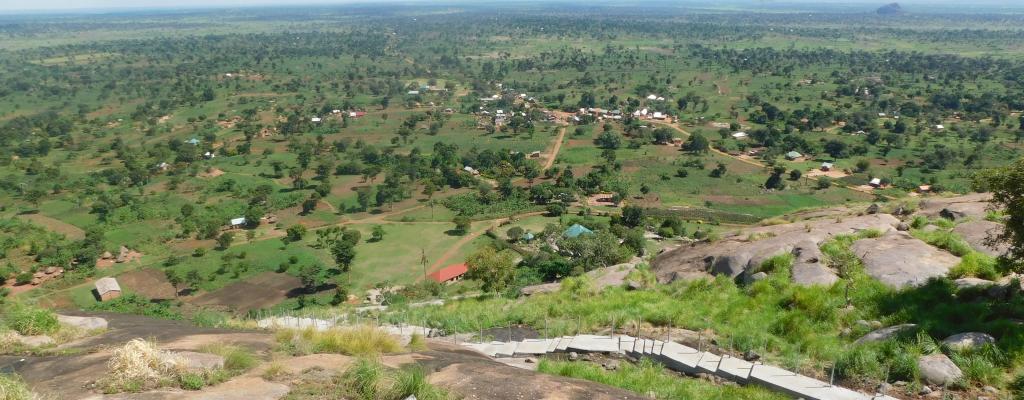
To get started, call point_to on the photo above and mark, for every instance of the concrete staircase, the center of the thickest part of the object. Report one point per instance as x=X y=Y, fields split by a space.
x=680 y=358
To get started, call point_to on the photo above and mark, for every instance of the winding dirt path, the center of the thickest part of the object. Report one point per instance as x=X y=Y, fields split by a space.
x=553 y=154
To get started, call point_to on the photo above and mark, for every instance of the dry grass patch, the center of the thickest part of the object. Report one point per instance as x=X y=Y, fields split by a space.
x=139 y=365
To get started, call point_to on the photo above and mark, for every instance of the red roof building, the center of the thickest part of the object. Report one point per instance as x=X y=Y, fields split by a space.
x=450 y=273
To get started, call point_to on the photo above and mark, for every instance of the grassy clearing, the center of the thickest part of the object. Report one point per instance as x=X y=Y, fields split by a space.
x=648 y=377
x=356 y=341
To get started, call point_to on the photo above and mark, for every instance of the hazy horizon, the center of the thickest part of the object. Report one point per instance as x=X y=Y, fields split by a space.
x=51 y=6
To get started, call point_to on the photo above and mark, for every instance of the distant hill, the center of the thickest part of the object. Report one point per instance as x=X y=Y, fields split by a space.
x=890 y=9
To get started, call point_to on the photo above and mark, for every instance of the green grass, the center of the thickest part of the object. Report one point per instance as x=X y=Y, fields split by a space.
x=649 y=378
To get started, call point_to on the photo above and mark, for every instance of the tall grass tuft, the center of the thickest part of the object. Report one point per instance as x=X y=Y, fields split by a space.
x=370 y=380
x=355 y=341
x=12 y=387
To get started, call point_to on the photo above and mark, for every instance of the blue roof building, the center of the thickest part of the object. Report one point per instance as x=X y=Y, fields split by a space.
x=576 y=230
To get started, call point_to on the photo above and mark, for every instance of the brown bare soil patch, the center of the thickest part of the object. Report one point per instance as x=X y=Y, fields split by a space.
x=600 y=199
x=260 y=291
x=833 y=173
x=147 y=282
x=211 y=173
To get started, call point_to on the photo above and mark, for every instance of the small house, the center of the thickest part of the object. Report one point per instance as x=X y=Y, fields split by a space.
x=193 y=141
x=163 y=166
x=739 y=135
x=335 y=111
x=576 y=230
x=413 y=92
x=108 y=289
x=208 y=155
x=652 y=97
x=793 y=156
x=875 y=182
x=826 y=166
x=356 y=114
x=471 y=170
x=527 y=237
x=315 y=119
x=939 y=127
x=924 y=188
x=535 y=154
x=237 y=222
x=658 y=115
x=450 y=273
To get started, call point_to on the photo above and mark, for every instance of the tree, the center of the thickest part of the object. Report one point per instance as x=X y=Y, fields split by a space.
x=295 y=232
x=835 y=148
x=192 y=279
x=494 y=268
x=377 y=234
x=824 y=182
x=697 y=144
x=225 y=239
x=310 y=276
x=344 y=253
x=775 y=179
x=462 y=224
x=174 y=278
x=609 y=140
x=632 y=216
x=795 y=175
x=863 y=165
x=1007 y=187
x=555 y=209
x=514 y=233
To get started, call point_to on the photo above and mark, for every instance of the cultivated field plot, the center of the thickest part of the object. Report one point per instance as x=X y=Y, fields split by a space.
x=260 y=291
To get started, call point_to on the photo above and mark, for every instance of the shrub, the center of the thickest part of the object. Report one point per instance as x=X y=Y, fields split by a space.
x=237 y=359
x=191 y=381
x=28 y=320
x=131 y=303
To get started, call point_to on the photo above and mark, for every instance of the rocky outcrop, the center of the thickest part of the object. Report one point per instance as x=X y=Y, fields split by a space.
x=938 y=369
x=973 y=206
x=614 y=275
x=201 y=361
x=899 y=260
x=807 y=267
x=968 y=340
x=743 y=253
x=979 y=234
x=86 y=323
x=884 y=334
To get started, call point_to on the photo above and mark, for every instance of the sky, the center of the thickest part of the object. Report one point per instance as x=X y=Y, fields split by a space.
x=80 y=5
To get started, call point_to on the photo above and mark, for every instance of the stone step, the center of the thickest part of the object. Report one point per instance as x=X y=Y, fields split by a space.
x=734 y=369
x=506 y=349
x=553 y=345
x=708 y=363
x=594 y=344
x=563 y=343
x=804 y=387
x=533 y=347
